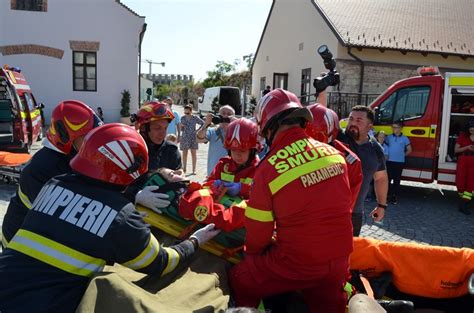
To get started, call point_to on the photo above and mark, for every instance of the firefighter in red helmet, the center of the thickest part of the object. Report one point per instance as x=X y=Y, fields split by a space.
x=304 y=197
x=325 y=128
x=233 y=175
x=71 y=120
x=80 y=222
x=152 y=121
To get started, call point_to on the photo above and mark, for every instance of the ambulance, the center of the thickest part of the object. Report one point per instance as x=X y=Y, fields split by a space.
x=20 y=117
x=434 y=110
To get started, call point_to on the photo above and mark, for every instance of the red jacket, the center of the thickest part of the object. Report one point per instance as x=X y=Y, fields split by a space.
x=227 y=170
x=354 y=169
x=301 y=190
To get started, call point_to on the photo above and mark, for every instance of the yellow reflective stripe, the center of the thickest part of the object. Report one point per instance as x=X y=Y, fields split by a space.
x=147 y=256
x=55 y=254
x=173 y=260
x=4 y=240
x=407 y=131
x=204 y=192
x=227 y=177
x=246 y=180
x=235 y=201
x=23 y=114
x=295 y=173
x=461 y=81
x=259 y=215
x=35 y=113
x=24 y=198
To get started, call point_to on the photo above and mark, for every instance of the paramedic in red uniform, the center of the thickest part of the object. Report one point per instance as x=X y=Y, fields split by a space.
x=301 y=192
x=325 y=128
x=465 y=168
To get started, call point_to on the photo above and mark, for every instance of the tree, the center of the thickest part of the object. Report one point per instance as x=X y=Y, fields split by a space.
x=219 y=76
x=125 y=102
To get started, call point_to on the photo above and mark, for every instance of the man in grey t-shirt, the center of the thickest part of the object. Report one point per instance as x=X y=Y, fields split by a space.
x=373 y=163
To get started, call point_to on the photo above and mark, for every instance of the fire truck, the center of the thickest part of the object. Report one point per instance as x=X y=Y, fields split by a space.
x=20 y=115
x=434 y=110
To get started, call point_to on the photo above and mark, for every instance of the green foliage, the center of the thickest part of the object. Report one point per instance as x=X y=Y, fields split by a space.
x=125 y=103
x=219 y=76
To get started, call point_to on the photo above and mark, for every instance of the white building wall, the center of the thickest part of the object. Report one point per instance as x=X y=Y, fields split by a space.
x=292 y=23
x=144 y=85
x=51 y=79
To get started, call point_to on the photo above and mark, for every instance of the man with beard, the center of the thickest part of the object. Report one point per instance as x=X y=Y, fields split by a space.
x=371 y=155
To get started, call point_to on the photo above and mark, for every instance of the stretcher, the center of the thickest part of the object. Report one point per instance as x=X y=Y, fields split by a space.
x=11 y=165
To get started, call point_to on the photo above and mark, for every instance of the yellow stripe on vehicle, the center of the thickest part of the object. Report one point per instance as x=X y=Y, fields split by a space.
x=147 y=256
x=259 y=215
x=461 y=81
x=295 y=173
x=173 y=260
x=24 y=198
x=408 y=131
x=55 y=254
x=227 y=177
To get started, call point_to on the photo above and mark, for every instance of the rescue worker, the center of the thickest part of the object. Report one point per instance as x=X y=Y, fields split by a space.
x=235 y=172
x=80 y=222
x=71 y=120
x=465 y=168
x=221 y=200
x=325 y=128
x=304 y=196
x=152 y=121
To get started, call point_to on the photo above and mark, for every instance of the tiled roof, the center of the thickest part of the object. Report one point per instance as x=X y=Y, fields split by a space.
x=128 y=9
x=429 y=26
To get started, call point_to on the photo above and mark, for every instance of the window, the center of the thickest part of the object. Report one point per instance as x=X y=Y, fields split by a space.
x=280 y=80
x=405 y=104
x=305 y=85
x=262 y=84
x=29 y=5
x=84 y=71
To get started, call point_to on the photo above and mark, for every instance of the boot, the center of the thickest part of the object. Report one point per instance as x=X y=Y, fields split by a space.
x=463 y=208
x=397 y=306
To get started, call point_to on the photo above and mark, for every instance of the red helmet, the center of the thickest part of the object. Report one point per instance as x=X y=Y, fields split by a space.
x=153 y=111
x=278 y=101
x=71 y=119
x=113 y=153
x=241 y=134
x=325 y=125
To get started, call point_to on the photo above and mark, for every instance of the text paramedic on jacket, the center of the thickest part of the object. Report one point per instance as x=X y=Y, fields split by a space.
x=80 y=222
x=301 y=190
x=71 y=120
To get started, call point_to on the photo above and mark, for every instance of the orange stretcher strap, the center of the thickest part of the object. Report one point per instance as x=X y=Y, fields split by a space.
x=13 y=159
x=366 y=283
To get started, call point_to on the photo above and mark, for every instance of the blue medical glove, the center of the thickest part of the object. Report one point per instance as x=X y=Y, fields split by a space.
x=217 y=183
x=233 y=189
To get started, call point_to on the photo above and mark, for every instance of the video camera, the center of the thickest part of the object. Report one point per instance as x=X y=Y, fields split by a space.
x=217 y=119
x=332 y=77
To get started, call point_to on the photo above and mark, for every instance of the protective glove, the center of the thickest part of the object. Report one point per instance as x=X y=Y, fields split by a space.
x=233 y=189
x=217 y=183
x=205 y=234
x=149 y=198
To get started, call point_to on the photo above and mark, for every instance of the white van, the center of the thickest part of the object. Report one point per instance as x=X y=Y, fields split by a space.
x=221 y=95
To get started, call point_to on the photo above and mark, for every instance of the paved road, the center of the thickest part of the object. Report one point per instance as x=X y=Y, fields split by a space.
x=423 y=214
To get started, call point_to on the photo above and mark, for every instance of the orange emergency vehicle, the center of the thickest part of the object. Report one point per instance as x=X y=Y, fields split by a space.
x=20 y=116
x=434 y=110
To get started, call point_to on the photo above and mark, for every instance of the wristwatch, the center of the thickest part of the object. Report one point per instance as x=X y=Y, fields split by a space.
x=384 y=206
x=195 y=243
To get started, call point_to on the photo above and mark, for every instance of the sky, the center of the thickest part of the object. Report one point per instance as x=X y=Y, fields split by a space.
x=190 y=36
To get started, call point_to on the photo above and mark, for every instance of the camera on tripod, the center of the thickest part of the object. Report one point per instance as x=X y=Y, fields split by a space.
x=332 y=77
